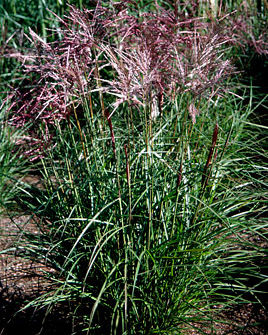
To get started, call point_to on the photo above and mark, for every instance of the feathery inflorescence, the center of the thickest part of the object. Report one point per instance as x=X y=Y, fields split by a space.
x=154 y=56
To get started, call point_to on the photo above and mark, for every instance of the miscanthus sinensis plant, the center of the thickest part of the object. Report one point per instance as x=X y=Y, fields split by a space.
x=144 y=216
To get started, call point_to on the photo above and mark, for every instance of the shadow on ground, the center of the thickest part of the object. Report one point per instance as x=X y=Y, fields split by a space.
x=30 y=321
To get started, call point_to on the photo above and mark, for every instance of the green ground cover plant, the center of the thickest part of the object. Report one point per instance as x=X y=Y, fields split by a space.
x=154 y=189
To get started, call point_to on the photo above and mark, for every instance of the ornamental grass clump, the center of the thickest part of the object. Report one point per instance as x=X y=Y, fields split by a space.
x=138 y=216
x=162 y=55
x=151 y=56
